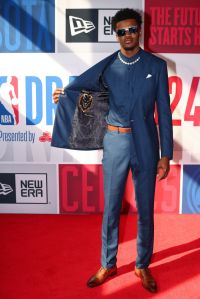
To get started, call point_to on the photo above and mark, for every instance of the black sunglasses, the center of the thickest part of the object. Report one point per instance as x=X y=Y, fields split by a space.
x=122 y=32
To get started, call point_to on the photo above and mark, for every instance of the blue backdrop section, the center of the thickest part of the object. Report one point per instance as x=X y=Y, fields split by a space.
x=191 y=189
x=27 y=26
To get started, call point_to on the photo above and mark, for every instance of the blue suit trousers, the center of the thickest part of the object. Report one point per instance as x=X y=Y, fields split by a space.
x=119 y=156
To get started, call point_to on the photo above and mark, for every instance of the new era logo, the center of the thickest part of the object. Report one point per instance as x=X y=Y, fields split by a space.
x=5 y=189
x=79 y=25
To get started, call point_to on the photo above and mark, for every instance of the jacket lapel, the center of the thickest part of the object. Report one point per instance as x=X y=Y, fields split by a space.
x=139 y=79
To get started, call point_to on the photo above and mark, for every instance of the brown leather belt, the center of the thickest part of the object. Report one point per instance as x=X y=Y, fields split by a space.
x=119 y=129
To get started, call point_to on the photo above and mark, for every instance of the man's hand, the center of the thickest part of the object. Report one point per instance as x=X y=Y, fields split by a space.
x=56 y=94
x=163 y=168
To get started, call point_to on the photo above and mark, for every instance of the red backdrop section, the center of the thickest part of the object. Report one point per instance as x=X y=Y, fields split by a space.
x=81 y=190
x=172 y=26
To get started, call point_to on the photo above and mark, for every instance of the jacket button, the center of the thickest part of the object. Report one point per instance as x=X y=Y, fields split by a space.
x=132 y=120
x=144 y=117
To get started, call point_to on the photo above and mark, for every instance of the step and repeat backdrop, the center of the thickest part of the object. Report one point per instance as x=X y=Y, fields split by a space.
x=44 y=45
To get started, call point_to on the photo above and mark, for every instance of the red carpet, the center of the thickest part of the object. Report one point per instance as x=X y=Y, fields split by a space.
x=52 y=256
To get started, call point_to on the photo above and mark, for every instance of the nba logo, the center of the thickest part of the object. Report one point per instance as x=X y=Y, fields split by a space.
x=9 y=114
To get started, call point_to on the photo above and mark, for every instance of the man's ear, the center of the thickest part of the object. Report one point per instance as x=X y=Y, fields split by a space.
x=117 y=38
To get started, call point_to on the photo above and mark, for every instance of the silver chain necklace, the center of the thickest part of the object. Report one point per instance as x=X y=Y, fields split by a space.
x=128 y=63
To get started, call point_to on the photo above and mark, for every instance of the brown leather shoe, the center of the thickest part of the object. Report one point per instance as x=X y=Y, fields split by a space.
x=101 y=275
x=147 y=279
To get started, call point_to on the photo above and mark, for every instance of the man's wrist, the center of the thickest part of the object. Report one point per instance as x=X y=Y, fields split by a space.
x=166 y=158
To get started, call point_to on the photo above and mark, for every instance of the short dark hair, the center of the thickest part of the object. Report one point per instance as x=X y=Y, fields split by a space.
x=124 y=14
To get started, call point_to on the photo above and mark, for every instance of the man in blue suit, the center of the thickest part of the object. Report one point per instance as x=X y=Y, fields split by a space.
x=136 y=82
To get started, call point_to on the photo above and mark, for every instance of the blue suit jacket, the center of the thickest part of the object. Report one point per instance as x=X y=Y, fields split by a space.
x=150 y=88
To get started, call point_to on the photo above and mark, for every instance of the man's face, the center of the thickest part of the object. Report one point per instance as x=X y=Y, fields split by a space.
x=129 y=41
